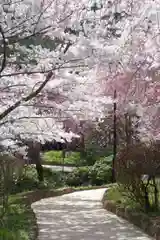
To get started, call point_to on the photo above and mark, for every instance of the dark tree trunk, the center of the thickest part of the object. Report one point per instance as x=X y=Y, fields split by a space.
x=40 y=174
x=147 y=204
x=155 y=194
x=114 y=137
x=34 y=149
x=128 y=132
x=146 y=195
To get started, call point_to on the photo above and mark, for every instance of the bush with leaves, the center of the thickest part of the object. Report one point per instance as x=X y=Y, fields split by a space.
x=29 y=180
x=78 y=177
x=98 y=142
x=132 y=164
x=10 y=172
x=98 y=174
x=101 y=172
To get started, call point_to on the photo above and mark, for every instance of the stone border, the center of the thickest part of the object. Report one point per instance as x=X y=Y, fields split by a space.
x=139 y=219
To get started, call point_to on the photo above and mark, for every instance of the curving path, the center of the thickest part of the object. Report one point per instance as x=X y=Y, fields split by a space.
x=58 y=168
x=79 y=216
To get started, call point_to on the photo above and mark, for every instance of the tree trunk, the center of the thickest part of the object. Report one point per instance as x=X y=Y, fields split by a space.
x=146 y=196
x=34 y=149
x=147 y=204
x=114 y=137
x=155 y=194
x=128 y=127
x=39 y=169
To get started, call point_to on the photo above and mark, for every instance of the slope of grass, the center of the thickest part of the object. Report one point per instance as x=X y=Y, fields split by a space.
x=55 y=158
x=19 y=223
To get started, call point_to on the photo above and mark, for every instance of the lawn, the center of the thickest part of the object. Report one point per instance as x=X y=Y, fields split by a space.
x=55 y=158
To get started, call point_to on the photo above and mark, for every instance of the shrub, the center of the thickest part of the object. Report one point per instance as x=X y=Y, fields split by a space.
x=118 y=195
x=10 y=171
x=90 y=156
x=131 y=164
x=29 y=180
x=98 y=174
x=78 y=177
x=107 y=160
x=93 y=153
x=101 y=172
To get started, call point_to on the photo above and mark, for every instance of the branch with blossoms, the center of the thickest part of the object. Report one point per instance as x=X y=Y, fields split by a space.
x=27 y=98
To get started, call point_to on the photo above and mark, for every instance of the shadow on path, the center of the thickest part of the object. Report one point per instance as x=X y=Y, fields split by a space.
x=79 y=216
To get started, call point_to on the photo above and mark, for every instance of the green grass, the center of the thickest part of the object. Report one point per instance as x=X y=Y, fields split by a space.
x=19 y=222
x=90 y=187
x=55 y=158
x=114 y=194
x=117 y=194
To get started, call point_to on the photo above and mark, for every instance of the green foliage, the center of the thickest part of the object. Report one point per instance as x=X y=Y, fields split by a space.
x=106 y=160
x=116 y=193
x=93 y=153
x=98 y=174
x=29 y=180
x=101 y=172
x=90 y=156
x=18 y=222
x=74 y=158
x=119 y=195
x=55 y=158
x=131 y=164
x=78 y=177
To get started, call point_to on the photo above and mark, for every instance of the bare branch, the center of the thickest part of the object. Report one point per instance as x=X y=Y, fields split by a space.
x=43 y=71
x=41 y=14
x=60 y=119
x=67 y=47
x=12 y=86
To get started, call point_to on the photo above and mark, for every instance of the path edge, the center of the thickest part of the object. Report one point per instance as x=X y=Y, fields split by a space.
x=139 y=219
x=47 y=194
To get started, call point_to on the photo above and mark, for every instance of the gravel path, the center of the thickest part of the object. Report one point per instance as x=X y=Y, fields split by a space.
x=79 y=216
x=58 y=168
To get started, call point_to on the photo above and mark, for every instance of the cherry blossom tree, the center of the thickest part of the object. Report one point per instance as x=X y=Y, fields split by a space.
x=60 y=51
x=48 y=50
x=134 y=70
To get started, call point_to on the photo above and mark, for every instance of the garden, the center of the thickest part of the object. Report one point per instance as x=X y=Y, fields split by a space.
x=82 y=77
x=21 y=187
x=136 y=169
